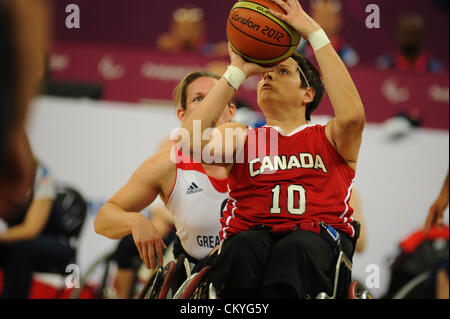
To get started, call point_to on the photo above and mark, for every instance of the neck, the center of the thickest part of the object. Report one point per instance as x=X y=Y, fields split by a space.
x=287 y=122
x=215 y=171
x=287 y=114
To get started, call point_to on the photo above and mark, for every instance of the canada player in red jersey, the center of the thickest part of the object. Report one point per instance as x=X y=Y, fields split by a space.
x=288 y=209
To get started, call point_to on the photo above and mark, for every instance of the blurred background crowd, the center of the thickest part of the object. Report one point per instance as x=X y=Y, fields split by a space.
x=136 y=52
x=126 y=57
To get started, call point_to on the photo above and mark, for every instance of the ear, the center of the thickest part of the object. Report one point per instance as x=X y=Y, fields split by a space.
x=232 y=111
x=181 y=114
x=310 y=93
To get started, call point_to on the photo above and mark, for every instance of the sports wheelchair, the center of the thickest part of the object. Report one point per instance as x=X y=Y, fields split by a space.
x=100 y=276
x=198 y=286
x=164 y=281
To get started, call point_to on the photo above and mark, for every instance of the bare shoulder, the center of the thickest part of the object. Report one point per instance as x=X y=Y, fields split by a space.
x=157 y=166
x=346 y=142
x=165 y=144
x=233 y=125
x=328 y=132
x=235 y=130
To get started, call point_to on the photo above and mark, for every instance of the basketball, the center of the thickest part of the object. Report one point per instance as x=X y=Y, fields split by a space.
x=258 y=36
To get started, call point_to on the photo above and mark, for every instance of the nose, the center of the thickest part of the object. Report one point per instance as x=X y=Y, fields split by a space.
x=268 y=76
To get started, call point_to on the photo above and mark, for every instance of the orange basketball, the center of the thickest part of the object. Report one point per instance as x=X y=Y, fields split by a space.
x=257 y=35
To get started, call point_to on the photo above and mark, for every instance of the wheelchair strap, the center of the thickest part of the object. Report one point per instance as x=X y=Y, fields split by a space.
x=331 y=236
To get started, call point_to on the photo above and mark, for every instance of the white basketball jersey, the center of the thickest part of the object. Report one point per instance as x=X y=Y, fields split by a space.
x=196 y=201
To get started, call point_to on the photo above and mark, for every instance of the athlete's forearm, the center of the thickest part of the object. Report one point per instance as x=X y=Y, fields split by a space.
x=33 y=224
x=204 y=115
x=17 y=233
x=115 y=223
x=445 y=187
x=341 y=89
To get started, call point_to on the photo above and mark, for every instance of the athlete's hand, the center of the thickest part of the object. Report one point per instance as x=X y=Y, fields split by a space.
x=436 y=212
x=296 y=17
x=247 y=67
x=148 y=242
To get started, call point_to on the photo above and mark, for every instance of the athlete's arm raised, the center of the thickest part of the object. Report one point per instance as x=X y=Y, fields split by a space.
x=208 y=111
x=121 y=216
x=345 y=130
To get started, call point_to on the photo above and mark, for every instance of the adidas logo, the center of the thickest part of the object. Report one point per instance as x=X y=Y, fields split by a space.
x=193 y=189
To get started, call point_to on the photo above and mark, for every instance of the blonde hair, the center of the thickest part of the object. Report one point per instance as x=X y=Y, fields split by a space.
x=180 y=92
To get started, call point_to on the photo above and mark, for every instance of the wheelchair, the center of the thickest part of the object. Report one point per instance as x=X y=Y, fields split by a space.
x=198 y=286
x=164 y=281
x=414 y=267
x=102 y=270
x=100 y=275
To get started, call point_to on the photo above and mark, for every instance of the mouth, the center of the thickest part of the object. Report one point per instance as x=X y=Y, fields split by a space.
x=266 y=86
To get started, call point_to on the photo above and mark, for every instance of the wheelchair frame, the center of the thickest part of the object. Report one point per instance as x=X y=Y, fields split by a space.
x=198 y=287
x=162 y=284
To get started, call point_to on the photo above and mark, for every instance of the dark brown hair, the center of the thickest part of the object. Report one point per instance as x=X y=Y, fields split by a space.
x=314 y=80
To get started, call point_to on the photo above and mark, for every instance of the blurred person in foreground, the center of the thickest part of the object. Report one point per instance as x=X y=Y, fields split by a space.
x=187 y=35
x=410 y=54
x=30 y=240
x=329 y=14
x=23 y=41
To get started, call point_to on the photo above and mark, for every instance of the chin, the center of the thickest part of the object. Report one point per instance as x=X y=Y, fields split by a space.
x=266 y=97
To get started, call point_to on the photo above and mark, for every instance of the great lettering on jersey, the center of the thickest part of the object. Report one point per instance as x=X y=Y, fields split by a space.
x=208 y=241
x=272 y=164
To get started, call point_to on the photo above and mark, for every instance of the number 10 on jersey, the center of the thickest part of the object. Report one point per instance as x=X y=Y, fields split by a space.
x=292 y=207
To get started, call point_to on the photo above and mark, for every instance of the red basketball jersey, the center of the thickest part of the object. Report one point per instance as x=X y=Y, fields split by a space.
x=302 y=182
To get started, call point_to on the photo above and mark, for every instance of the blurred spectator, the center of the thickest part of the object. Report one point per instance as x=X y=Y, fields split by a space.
x=402 y=124
x=328 y=13
x=187 y=34
x=23 y=41
x=30 y=241
x=410 y=55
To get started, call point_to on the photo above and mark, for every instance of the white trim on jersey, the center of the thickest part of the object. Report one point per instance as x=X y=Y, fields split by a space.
x=347 y=198
x=227 y=222
x=346 y=202
x=297 y=130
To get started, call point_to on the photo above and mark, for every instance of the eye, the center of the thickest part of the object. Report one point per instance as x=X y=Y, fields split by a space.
x=283 y=71
x=197 y=99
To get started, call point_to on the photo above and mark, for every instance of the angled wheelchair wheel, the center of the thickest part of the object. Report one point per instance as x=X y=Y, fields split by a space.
x=154 y=285
x=148 y=285
x=407 y=290
x=168 y=279
x=182 y=272
x=357 y=291
x=102 y=265
x=198 y=287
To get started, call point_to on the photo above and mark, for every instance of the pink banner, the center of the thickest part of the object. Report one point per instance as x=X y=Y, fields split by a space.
x=134 y=75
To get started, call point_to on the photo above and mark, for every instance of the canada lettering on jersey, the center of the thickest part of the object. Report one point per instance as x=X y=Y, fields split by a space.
x=272 y=164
